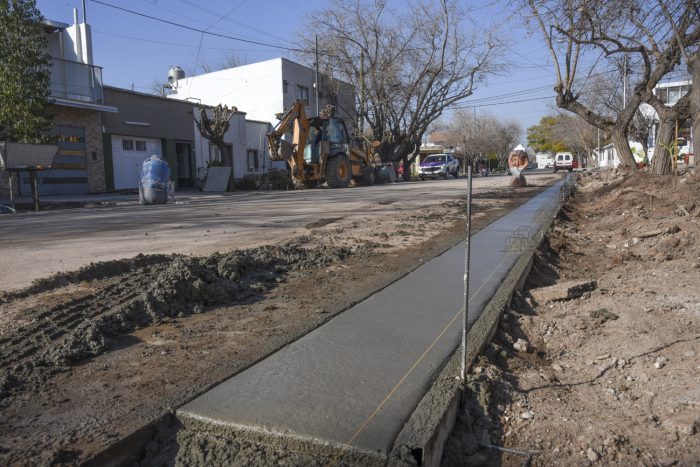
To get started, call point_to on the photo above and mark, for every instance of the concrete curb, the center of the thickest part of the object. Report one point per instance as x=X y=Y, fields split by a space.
x=423 y=438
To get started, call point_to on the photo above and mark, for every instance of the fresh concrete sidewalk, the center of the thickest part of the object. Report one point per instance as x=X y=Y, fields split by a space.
x=352 y=383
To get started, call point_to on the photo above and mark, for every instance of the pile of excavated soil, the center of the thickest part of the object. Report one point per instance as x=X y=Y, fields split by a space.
x=609 y=376
x=136 y=293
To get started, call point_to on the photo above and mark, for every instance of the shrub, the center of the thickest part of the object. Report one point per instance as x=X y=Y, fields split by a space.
x=280 y=179
x=248 y=182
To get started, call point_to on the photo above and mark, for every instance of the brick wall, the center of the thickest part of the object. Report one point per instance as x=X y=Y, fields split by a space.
x=91 y=121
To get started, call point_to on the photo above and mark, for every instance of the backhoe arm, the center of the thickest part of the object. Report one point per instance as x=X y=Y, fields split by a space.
x=280 y=149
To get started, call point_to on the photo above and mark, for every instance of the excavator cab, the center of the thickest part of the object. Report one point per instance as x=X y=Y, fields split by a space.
x=330 y=131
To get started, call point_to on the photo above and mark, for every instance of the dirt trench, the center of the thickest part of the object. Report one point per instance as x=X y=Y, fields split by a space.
x=608 y=376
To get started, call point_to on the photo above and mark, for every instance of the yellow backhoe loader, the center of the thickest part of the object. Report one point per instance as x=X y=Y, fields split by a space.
x=320 y=150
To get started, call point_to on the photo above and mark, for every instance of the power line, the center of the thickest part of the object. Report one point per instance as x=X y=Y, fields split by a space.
x=201 y=31
x=231 y=20
x=173 y=44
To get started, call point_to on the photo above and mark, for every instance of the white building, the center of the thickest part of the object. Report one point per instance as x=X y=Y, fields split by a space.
x=265 y=89
x=608 y=156
x=669 y=92
x=545 y=160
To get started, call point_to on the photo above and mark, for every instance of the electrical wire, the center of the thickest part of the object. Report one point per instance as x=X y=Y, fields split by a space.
x=201 y=31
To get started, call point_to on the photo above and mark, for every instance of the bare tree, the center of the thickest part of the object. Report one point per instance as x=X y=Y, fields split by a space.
x=580 y=136
x=632 y=27
x=409 y=65
x=463 y=133
x=214 y=128
x=483 y=136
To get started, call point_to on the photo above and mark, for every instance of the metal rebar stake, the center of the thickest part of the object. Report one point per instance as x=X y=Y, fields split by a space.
x=465 y=320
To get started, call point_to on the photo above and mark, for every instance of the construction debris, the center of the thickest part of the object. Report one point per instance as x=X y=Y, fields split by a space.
x=564 y=291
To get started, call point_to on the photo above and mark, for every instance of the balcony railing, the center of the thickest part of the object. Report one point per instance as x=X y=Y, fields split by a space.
x=76 y=81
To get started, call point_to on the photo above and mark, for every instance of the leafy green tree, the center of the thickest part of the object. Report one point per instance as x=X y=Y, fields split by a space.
x=25 y=77
x=542 y=137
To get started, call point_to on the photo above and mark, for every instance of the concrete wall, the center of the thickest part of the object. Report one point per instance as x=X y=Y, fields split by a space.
x=334 y=92
x=147 y=115
x=255 y=89
x=256 y=139
x=264 y=89
x=91 y=122
x=73 y=43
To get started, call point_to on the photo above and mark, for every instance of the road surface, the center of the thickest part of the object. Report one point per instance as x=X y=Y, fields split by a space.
x=36 y=245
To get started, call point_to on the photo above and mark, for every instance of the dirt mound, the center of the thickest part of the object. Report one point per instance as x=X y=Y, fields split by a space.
x=144 y=290
x=92 y=271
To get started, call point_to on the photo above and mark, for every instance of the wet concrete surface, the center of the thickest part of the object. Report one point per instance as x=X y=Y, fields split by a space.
x=356 y=380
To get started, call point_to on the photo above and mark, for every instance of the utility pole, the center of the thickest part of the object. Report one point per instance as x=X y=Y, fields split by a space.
x=599 y=158
x=467 y=254
x=318 y=112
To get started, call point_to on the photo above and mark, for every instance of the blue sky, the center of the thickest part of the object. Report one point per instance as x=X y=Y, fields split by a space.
x=138 y=51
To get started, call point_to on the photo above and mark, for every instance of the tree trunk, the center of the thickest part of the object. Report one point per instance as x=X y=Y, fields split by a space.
x=694 y=69
x=406 y=169
x=661 y=163
x=622 y=146
x=590 y=160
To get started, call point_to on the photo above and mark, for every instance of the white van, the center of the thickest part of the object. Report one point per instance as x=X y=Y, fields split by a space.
x=564 y=161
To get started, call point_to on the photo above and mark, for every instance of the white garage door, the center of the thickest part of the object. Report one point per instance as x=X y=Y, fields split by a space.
x=128 y=154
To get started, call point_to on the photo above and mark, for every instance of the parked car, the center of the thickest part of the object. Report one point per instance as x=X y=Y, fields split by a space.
x=439 y=165
x=563 y=161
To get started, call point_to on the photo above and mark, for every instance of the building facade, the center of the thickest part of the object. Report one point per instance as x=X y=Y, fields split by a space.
x=146 y=125
x=77 y=107
x=264 y=89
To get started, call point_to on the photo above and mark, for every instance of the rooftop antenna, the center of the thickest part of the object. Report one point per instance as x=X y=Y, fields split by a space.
x=84 y=13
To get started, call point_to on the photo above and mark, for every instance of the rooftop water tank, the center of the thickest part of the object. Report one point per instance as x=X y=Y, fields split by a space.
x=175 y=73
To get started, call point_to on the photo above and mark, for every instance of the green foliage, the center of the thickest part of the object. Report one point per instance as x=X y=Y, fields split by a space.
x=25 y=78
x=542 y=137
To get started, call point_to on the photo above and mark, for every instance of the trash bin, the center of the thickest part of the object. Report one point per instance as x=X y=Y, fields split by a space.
x=154 y=181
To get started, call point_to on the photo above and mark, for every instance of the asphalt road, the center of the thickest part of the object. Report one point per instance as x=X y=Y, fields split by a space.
x=35 y=245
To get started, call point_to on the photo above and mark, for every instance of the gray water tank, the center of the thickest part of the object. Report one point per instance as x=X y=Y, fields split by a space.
x=175 y=73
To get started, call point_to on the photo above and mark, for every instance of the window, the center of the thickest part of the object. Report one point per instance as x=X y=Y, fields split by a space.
x=140 y=145
x=284 y=86
x=253 y=164
x=214 y=153
x=303 y=93
x=128 y=144
x=673 y=95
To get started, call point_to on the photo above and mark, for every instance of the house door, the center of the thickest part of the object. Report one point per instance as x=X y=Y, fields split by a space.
x=185 y=165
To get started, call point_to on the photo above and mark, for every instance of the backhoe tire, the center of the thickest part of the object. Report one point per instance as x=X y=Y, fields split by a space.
x=367 y=176
x=338 y=172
